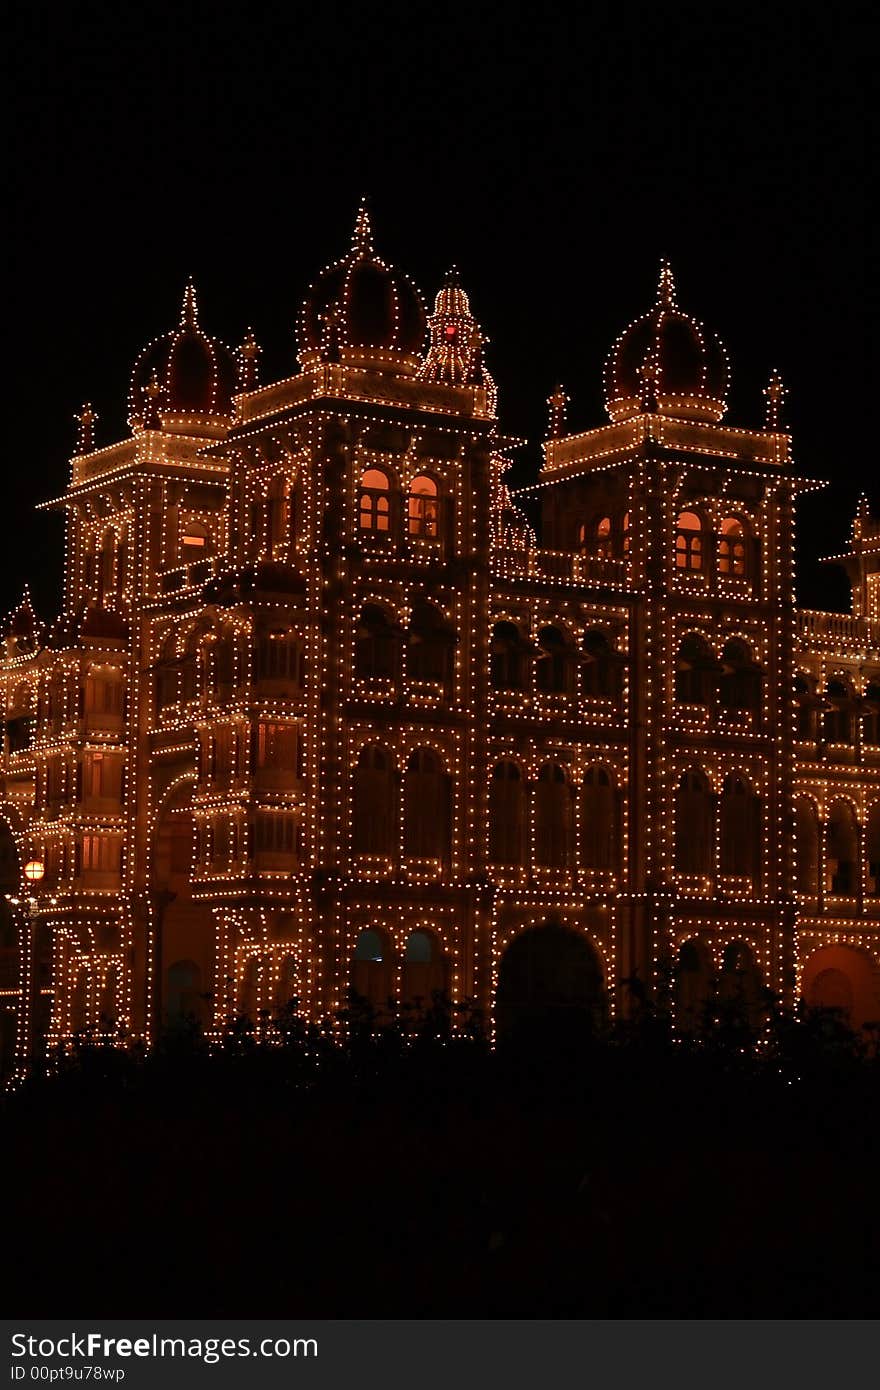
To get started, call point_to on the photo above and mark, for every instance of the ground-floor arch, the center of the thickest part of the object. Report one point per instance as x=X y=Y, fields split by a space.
x=549 y=976
x=185 y=925
x=846 y=979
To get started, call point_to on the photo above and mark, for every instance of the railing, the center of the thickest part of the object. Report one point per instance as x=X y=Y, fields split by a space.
x=839 y=627
x=571 y=568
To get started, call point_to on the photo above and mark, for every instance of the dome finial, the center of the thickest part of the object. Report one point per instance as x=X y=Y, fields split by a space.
x=363 y=232
x=774 y=395
x=189 y=313
x=85 y=434
x=666 y=286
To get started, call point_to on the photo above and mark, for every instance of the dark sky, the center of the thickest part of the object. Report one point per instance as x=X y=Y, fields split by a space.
x=555 y=153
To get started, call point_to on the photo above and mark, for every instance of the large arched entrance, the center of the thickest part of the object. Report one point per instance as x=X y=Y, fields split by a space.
x=549 y=980
x=185 y=957
x=845 y=979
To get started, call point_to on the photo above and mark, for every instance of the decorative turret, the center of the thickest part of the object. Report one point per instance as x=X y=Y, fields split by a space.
x=668 y=362
x=774 y=396
x=455 y=354
x=184 y=382
x=557 y=406
x=363 y=311
x=85 y=434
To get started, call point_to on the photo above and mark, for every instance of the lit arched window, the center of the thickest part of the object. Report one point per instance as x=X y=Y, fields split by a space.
x=375 y=501
x=377 y=645
x=599 y=834
x=374 y=824
x=553 y=818
x=554 y=666
x=507 y=808
x=427 y=830
x=740 y=686
x=842 y=871
x=507 y=658
x=731 y=547
x=695 y=672
x=740 y=829
x=422 y=508
x=689 y=541
x=694 y=824
x=603 y=537
x=624 y=531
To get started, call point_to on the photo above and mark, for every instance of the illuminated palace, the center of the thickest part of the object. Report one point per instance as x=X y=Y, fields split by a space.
x=320 y=712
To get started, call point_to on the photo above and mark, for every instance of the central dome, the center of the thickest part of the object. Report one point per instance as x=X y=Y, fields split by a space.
x=361 y=309
x=667 y=361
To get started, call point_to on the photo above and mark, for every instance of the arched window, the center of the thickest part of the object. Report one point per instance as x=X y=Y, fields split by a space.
x=604 y=538
x=427 y=829
x=689 y=541
x=286 y=992
x=371 y=969
x=167 y=674
x=423 y=508
x=601 y=667
x=839 y=721
x=806 y=708
x=194 y=542
x=693 y=985
x=599 y=821
x=695 y=672
x=183 y=992
x=374 y=828
x=732 y=555
x=424 y=973
x=430 y=645
x=807 y=849
x=555 y=664
x=190 y=666
x=553 y=818
x=507 y=815
x=694 y=824
x=740 y=984
x=740 y=830
x=624 y=534
x=740 y=686
x=507 y=658
x=375 y=502
x=377 y=645
x=842 y=863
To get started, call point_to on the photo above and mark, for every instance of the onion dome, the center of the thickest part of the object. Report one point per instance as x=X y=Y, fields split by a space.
x=184 y=381
x=361 y=310
x=668 y=362
x=455 y=354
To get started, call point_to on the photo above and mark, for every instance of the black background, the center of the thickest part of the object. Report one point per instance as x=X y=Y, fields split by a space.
x=555 y=153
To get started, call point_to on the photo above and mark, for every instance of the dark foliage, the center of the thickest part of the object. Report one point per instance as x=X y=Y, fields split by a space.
x=413 y=1171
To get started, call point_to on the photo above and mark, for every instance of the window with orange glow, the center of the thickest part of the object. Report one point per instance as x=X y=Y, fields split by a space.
x=422 y=509
x=689 y=542
x=731 y=547
x=375 y=501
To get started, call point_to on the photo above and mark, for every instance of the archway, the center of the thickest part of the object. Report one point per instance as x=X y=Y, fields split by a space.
x=185 y=926
x=846 y=979
x=550 y=977
x=693 y=984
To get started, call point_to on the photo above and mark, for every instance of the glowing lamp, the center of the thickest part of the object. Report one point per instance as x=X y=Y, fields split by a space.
x=34 y=870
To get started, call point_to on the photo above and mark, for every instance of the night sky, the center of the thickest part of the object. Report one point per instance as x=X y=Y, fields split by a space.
x=554 y=156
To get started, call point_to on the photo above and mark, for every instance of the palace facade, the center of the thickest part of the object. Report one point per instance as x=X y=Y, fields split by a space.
x=320 y=712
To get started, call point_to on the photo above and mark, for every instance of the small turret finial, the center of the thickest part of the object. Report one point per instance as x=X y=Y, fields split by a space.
x=666 y=286
x=85 y=435
x=557 y=404
x=363 y=232
x=189 y=313
x=249 y=357
x=774 y=395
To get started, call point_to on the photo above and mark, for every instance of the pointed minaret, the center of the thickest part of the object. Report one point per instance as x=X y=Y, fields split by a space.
x=557 y=405
x=189 y=312
x=362 y=240
x=85 y=434
x=863 y=523
x=22 y=632
x=774 y=395
x=249 y=360
x=666 y=287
